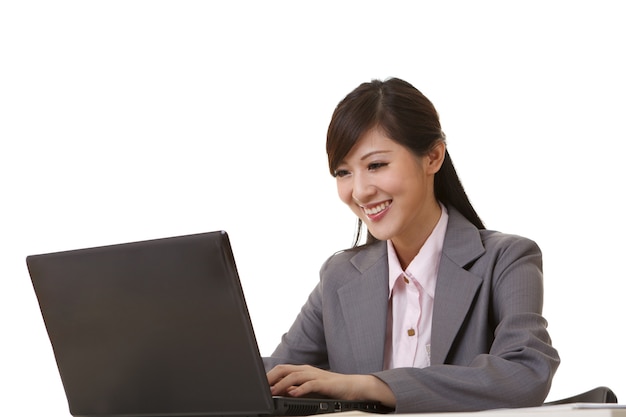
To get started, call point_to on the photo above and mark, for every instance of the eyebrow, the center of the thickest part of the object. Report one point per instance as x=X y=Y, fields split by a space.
x=367 y=155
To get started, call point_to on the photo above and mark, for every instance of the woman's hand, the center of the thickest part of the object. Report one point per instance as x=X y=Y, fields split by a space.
x=300 y=380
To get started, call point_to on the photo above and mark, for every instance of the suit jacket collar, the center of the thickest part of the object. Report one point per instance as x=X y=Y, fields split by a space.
x=456 y=287
x=454 y=294
x=463 y=243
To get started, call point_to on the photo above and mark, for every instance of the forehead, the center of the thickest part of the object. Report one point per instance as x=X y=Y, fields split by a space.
x=373 y=142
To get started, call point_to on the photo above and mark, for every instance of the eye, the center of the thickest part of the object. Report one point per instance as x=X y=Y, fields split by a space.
x=376 y=165
x=340 y=173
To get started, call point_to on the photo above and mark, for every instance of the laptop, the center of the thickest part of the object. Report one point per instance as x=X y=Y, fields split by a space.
x=159 y=328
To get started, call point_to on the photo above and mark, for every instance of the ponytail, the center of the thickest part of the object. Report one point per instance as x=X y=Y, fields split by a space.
x=450 y=192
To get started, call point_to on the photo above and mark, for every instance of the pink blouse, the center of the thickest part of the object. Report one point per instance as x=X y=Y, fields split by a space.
x=411 y=298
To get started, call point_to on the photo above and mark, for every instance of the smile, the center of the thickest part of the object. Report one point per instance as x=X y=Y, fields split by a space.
x=373 y=211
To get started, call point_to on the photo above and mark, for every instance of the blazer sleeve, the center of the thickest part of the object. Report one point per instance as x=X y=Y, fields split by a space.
x=304 y=343
x=502 y=356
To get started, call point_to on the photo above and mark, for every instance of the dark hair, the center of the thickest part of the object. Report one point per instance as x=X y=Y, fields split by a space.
x=408 y=118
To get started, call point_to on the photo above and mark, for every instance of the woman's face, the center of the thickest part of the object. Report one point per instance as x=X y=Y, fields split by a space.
x=389 y=188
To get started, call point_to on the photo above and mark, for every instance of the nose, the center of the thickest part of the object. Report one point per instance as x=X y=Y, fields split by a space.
x=362 y=189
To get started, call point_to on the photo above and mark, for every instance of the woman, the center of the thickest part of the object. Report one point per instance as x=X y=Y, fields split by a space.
x=433 y=313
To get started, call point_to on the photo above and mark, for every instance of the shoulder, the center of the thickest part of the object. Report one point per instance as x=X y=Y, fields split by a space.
x=348 y=264
x=466 y=244
x=495 y=241
x=361 y=257
x=509 y=254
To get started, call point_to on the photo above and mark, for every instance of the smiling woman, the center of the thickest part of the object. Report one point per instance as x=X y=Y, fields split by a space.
x=391 y=190
x=397 y=110
x=434 y=312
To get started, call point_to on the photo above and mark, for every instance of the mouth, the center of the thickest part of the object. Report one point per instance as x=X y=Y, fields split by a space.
x=376 y=211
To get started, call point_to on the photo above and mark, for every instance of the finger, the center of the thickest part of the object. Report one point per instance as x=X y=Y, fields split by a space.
x=281 y=371
x=277 y=373
x=291 y=381
x=306 y=388
x=323 y=384
x=286 y=384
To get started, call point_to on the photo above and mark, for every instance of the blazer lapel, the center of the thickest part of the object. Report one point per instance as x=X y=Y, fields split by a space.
x=364 y=305
x=456 y=287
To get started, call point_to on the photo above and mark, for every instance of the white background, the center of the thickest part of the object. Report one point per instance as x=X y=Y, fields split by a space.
x=126 y=120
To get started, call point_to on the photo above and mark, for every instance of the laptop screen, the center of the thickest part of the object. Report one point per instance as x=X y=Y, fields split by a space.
x=158 y=327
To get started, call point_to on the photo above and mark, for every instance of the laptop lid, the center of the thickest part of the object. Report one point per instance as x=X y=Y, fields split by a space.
x=152 y=328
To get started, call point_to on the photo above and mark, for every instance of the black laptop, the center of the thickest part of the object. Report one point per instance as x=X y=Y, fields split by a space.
x=158 y=328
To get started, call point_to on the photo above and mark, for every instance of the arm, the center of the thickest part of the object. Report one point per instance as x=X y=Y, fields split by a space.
x=304 y=343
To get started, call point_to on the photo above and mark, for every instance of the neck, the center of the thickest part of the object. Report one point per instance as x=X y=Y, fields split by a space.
x=408 y=246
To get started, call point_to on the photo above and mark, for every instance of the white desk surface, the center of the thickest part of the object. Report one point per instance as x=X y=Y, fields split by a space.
x=565 y=410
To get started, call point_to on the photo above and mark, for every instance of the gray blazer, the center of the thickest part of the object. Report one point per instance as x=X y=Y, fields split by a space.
x=489 y=348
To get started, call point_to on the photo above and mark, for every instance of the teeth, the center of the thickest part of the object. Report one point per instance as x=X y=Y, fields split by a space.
x=375 y=210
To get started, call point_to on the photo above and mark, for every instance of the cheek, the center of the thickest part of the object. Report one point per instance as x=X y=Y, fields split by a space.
x=344 y=190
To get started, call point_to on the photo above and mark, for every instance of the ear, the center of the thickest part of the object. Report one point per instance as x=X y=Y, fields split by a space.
x=435 y=156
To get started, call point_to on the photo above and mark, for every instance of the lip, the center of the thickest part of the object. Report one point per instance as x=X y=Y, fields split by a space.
x=376 y=211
